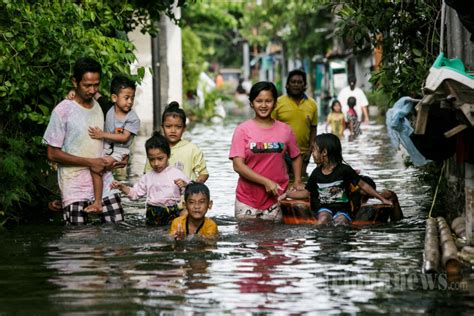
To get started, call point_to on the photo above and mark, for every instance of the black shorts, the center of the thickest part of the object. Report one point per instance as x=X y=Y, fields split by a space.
x=161 y=215
x=112 y=211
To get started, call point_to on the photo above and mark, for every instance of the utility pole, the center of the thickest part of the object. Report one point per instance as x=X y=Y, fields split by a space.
x=155 y=62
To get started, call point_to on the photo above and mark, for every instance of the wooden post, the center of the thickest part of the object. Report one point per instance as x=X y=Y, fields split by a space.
x=422 y=116
x=469 y=191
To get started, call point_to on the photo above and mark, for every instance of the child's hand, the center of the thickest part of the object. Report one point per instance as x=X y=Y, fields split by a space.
x=180 y=183
x=116 y=185
x=97 y=165
x=71 y=95
x=96 y=133
x=282 y=197
x=272 y=187
x=179 y=234
x=385 y=201
x=298 y=186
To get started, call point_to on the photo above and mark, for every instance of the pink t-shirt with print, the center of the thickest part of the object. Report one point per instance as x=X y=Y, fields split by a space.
x=263 y=150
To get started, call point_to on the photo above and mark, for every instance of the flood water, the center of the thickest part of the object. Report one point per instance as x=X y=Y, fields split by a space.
x=254 y=268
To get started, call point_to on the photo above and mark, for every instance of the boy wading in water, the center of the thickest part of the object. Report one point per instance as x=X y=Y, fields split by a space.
x=195 y=222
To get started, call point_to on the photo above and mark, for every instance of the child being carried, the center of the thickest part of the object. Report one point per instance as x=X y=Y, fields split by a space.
x=121 y=125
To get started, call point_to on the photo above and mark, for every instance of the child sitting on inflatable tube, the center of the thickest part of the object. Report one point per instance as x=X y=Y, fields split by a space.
x=328 y=185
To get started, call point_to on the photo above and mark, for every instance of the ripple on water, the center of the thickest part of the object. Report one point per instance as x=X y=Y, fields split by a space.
x=254 y=267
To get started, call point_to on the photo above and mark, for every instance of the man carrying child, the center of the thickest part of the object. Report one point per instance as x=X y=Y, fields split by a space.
x=76 y=153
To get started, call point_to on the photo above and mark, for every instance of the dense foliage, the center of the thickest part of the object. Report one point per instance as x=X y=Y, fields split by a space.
x=39 y=43
x=223 y=26
x=216 y=23
x=193 y=60
x=407 y=33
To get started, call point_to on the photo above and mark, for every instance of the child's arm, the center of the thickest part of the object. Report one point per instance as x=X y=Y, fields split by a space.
x=245 y=171
x=296 y=164
x=369 y=190
x=202 y=178
x=181 y=183
x=298 y=195
x=199 y=166
x=97 y=133
x=119 y=185
x=177 y=231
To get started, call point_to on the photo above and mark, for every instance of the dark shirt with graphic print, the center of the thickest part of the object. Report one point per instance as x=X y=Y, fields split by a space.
x=332 y=191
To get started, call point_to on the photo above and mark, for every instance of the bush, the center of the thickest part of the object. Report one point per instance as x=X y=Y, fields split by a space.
x=379 y=99
x=39 y=44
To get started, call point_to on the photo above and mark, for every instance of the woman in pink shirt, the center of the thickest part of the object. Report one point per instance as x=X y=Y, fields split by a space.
x=162 y=186
x=257 y=153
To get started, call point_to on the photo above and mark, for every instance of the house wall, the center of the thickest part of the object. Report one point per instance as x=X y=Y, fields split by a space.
x=170 y=70
x=460 y=176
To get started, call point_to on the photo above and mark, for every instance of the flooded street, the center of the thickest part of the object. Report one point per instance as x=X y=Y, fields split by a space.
x=253 y=268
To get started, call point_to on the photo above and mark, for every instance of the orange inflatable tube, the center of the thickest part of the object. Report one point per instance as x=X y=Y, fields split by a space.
x=299 y=212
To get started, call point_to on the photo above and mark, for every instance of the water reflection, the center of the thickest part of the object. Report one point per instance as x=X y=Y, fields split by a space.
x=255 y=267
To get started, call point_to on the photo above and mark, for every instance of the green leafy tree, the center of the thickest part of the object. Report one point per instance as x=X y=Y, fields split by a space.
x=300 y=27
x=407 y=32
x=193 y=61
x=216 y=23
x=39 y=43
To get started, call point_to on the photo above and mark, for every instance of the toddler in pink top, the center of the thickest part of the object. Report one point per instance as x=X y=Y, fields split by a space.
x=162 y=186
x=257 y=153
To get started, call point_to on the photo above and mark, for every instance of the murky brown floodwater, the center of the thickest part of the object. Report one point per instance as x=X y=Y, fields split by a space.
x=253 y=268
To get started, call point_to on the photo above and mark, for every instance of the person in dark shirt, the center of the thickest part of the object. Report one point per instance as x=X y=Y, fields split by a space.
x=328 y=186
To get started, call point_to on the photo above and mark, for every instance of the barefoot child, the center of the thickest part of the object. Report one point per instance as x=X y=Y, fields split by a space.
x=335 y=119
x=328 y=185
x=121 y=125
x=195 y=222
x=162 y=186
x=185 y=155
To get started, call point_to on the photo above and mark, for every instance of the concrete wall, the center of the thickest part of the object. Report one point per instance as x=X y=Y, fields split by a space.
x=171 y=61
x=170 y=70
x=460 y=177
x=144 y=94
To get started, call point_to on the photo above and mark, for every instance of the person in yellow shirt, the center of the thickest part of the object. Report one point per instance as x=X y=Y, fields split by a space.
x=185 y=155
x=195 y=222
x=300 y=112
x=335 y=120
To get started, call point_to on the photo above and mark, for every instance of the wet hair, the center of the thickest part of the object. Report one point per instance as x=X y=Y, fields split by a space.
x=262 y=86
x=351 y=102
x=195 y=188
x=334 y=103
x=158 y=141
x=333 y=147
x=297 y=72
x=369 y=181
x=120 y=82
x=173 y=109
x=83 y=65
